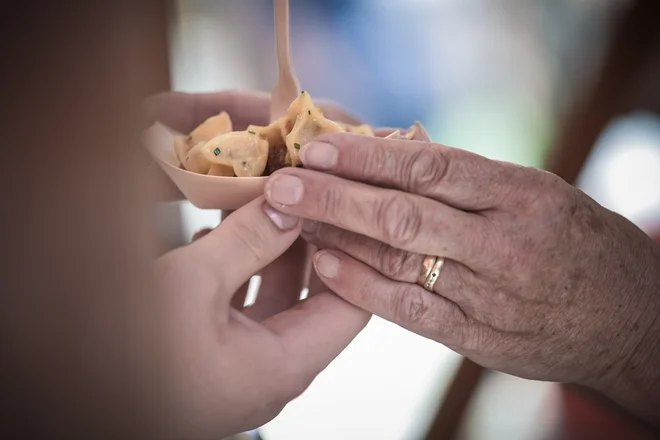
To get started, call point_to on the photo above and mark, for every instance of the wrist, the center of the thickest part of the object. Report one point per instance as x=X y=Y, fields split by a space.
x=633 y=377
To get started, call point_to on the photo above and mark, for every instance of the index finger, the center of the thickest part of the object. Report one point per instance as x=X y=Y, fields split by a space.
x=456 y=177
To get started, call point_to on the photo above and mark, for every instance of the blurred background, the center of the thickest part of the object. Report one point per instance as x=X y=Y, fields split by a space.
x=508 y=79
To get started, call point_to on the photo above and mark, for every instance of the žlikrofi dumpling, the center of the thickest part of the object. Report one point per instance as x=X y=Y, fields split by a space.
x=189 y=148
x=212 y=127
x=244 y=151
x=306 y=122
x=215 y=150
x=195 y=161
x=417 y=132
x=363 y=129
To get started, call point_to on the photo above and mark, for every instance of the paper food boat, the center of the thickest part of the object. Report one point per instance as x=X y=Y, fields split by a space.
x=220 y=192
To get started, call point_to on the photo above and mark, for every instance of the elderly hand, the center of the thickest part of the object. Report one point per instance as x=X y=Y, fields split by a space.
x=223 y=372
x=539 y=280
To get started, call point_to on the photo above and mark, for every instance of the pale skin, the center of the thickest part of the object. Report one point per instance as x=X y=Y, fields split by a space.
x=228 y=372
x=104 y=338
x=183 y=111
x=247 y=363
x=100 y=336
x=539 y=281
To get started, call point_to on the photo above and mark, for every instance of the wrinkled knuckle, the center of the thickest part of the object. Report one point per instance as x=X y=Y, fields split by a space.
x=409 y=306
x=365 y=296
x=392 y=262
x=552 y=193
x=400 y=219
x=426 y=169
x=329 y=201
x=372 y=160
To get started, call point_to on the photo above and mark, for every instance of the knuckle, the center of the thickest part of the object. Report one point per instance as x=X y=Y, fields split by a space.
x=400 y=219
x=395 y=263
x=425 y=169
x=364 y=294
x=330 y=201
x=409 y=306
x=374 y=161
x=552 y=193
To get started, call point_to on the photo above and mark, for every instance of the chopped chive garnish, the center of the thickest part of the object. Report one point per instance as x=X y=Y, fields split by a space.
x=309 y=112
x=251 y=132
x=297 y=145
x=216 y=151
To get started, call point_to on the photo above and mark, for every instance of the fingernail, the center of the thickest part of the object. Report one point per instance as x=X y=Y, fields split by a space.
x=327 y=265
x=309 y=226
x=285 y=189
x=320 y=155
x=280 y=220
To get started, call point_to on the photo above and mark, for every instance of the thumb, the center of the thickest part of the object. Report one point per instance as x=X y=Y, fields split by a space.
x=247 y=241
x=315 y=332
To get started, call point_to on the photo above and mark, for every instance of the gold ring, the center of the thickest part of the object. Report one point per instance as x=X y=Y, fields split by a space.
x=427 y=267
x=435 y=274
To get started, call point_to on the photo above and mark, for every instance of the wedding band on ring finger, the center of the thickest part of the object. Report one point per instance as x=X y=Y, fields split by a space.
x=427 y=267
x=396 y=264
x=433 y=276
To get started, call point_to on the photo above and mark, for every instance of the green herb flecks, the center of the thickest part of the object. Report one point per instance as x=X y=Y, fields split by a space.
x=309 y=112
x=297 y=146
x=217 y=151
x=251 y=132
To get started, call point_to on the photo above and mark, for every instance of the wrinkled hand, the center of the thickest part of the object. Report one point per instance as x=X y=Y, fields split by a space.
x=539 y=281
x=227 y=373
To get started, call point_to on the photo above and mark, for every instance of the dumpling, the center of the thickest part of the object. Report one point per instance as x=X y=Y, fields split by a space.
x=195 y=160
x=188 y=149
x=303 y=123
x=221 y=170
x=272 y=133
x=245 y=152
x=363 y=129
x=417 y=133
x=212 y=127
x=278 y=156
